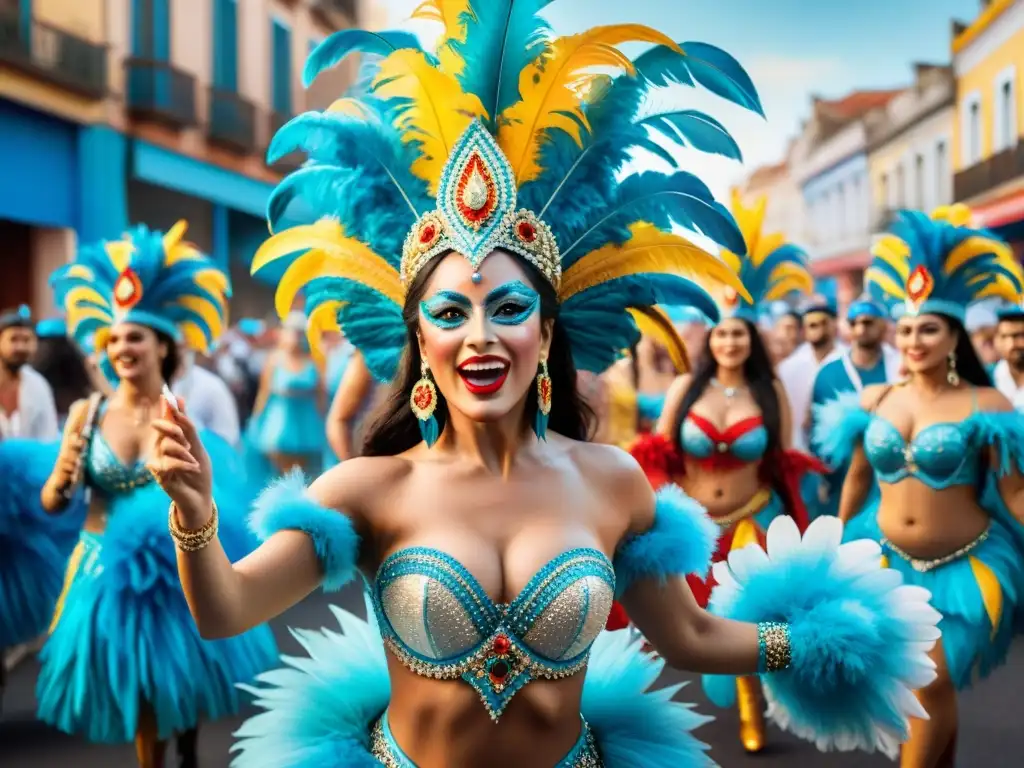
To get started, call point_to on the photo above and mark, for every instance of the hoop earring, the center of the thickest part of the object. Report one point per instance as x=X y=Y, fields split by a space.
x=540 y=422
x=423 y=402
x=951 y=375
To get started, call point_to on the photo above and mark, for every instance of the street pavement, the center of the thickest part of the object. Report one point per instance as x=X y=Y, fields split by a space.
x=991 y=731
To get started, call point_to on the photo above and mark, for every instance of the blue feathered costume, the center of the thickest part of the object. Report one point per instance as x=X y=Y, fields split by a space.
x=940 y=265
x=508 y=139
x=122 y=637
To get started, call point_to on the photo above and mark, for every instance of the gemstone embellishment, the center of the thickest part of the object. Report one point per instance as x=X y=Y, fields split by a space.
x=919 y=287
x=127 y=289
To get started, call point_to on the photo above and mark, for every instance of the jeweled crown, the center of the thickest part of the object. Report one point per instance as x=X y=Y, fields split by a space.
x=476 y=213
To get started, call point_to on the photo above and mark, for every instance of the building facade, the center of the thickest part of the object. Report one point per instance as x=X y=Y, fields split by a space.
x=785 y=210
x=830 y=164
x=909 y=142
x=146 y=111
x=988 y=153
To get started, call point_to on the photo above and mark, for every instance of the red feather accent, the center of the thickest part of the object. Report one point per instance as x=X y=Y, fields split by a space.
x=659 y=458
x=793 y=465
x=617 y=619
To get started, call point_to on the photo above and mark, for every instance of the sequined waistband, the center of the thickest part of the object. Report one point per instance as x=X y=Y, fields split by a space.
x=923 y=566
x=757 y=502
x=384 y=747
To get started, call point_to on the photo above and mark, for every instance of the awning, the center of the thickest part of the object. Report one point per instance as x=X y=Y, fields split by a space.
x=836 y=265
x=1000 y=213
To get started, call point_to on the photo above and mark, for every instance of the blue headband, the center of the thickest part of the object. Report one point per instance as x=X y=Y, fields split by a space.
x=865 y=307
x=51 y=328
x=150 y=320
x=933 y=307
x=22 y=316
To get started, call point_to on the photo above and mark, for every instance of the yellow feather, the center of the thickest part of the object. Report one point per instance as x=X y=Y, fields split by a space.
x=439 y=110
x=99 y=341
x=885 y=282
x=351 y=107
x=654 y=323
x=551 y=89
x=791 y=275
x=450 y=14
x=731 y=260
x=82 y=293
x=173 y=235
x=973 y=247
x=322 y=319
x=649 y=249
x=76 y=315
x=894 y=252
x=120 y=253
x=211 y=313
x=750 y=220
x=214 y=281
x=958 y=214
x=82 y=271
x=194 y=336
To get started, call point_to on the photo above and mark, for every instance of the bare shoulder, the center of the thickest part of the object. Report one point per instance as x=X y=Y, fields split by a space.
x=358 y=485
x=872 y=394
x=679 y=387
x=616 y=476
x=991 y=399
x=780 y=391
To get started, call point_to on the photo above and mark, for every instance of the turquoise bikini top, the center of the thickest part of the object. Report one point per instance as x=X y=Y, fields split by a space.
x=941 y=455
x=104 y=471
x=294 y=383
x=740 y=443
x=437 y=619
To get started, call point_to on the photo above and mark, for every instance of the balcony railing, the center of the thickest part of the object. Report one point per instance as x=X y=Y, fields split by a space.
x=989 y=173
x=348 y=7
x=158 y=91
x=51 y=54
x=232 y=121
x=289 y=162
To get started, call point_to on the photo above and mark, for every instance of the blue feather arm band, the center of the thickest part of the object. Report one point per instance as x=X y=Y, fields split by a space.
x=1002 y=431
x=681 y=541
x=285 y=505
x=858 y=638
x=839 y=427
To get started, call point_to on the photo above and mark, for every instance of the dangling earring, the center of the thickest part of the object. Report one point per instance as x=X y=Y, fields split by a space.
x=951 y=375
x=540 y=423
x=423 y=402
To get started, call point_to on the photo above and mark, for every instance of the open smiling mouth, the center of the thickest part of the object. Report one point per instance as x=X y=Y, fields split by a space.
x=484 y=375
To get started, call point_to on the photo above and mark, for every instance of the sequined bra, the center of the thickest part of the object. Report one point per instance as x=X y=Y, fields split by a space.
x=105 y=472
x=940 y=455
x=437 y=619
x=741 y=443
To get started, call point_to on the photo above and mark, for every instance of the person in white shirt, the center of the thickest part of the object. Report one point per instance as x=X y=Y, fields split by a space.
x=210 y=402
x=1008 y=373
x=27 y=407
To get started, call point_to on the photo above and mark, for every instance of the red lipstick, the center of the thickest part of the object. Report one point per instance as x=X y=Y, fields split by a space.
x=484 y=374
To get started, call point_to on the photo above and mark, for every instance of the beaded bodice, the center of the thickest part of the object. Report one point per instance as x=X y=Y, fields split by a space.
x=940 y=455
x=439 y=621
x=106 y=473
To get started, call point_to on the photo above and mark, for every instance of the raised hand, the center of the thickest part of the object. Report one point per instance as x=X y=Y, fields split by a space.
x=181 y=465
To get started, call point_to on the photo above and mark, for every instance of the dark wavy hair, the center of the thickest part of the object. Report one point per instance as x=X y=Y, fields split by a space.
x=394 y=428
x=760 y=376
x=63 y=366
x=968 y=364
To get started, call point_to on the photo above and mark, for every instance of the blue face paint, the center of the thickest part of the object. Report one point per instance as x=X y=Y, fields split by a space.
x=512 y=303
x=446 y=309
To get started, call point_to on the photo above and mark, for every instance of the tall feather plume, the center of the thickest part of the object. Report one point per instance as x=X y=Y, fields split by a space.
x=453 y=15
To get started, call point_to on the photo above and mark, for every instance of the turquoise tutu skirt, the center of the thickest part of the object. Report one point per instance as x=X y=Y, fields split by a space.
x=34 y=546
x=123 y=637
x=290 y=425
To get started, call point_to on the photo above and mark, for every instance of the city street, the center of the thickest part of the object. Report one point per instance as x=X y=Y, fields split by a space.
x=990 y=733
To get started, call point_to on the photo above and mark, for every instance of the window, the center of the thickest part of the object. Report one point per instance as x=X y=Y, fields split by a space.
x=970 y=130
x=883 y=190
x=841 y=221
x=919 y=185
x=225 y=44
x=151 y=29
x=941 y=172
x=1004 y=125
x=281 y=63
x=900 y=200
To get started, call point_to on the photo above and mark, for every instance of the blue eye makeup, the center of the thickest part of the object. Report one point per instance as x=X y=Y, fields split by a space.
x=446 y=309
x=512 y=303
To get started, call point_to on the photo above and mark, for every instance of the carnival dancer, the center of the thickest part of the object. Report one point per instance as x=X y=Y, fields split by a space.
x=27 y=408
x=868 y=361
x=946 y=451
x=724 y=433
x=818 y=322
x=124 y=660
x=497 y=536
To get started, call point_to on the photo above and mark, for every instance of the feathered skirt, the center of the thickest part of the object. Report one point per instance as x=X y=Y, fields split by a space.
x=123 y=639
x=34 y=546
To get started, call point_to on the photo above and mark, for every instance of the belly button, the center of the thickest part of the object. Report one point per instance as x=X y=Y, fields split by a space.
x=719 y=493
x=910 y=522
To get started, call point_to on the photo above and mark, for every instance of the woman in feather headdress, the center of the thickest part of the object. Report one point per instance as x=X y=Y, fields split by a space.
x=124 y=660
x=947 y=453
x=492 y=535
x=724 y=432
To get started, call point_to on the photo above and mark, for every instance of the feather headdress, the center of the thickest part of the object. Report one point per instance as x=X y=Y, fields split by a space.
x=770 y=269
x=939 y=264
x=150 y=278
x=507 y=138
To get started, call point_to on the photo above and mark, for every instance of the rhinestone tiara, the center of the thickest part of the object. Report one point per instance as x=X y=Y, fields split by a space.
x=476 y=213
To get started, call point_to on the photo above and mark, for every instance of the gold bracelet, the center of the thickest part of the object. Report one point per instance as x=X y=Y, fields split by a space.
x=191 y=540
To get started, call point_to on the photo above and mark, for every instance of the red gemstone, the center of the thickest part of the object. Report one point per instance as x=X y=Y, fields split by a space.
x=428 y=233
x=476 y=214
x=423 y=397
x=527 y=232
x=502 y=645
x=127 y=289
x=545 y=390
x=499 y=671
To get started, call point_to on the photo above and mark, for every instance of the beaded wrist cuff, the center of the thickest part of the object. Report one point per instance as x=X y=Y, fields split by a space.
x=774 y=653
x=191 y=540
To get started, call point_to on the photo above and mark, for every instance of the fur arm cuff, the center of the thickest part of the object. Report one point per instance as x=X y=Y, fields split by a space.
x=839 y=427
x=682 y=541
x=284 y=506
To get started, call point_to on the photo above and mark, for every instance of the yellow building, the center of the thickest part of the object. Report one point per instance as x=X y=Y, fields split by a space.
x=119 y=111
x=988 y=154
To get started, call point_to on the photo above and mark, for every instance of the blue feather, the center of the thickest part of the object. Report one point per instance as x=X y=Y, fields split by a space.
x=346 y=41
x=839 y=427
x=705 y=64
x=501 y=38
x=695 y=130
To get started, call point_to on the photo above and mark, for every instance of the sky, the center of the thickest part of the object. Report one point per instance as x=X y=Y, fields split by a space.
x=791 y=48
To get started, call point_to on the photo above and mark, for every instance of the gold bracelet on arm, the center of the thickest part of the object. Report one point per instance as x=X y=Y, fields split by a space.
x=191 y=540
